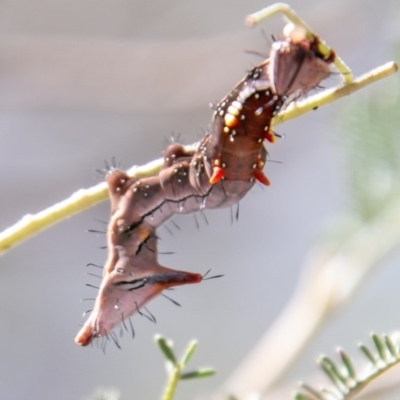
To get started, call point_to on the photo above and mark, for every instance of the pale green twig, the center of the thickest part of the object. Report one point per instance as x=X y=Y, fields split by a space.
x=296 y=109
x=81 y=200
x=86 y=198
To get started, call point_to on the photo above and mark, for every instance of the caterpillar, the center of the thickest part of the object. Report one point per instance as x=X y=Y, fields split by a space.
x=226 y=164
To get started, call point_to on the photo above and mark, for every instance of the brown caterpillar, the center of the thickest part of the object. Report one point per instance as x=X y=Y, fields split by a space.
x=224 y=167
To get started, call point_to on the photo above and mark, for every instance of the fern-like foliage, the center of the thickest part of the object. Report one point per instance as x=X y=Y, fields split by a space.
x=346 y=382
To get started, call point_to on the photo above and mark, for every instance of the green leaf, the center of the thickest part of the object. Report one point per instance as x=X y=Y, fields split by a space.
x=380 y=346
x=167 y=349
x=187 y=355
x=368 y=353
x=200 y=373
x=351 y=373
x=391 y=346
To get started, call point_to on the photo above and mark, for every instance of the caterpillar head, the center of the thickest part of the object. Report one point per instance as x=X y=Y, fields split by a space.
x=296 y=64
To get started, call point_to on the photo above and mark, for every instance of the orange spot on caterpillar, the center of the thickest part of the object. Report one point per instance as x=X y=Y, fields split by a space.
x=217 y=175
x=260 y=177
x=270 y=137
x=143 y=233
x=230 y=120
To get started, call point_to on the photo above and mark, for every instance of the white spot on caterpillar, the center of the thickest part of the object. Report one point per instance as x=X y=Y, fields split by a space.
x=237 y=104
x=245 y=93
x=233 y=110
x=258 y=111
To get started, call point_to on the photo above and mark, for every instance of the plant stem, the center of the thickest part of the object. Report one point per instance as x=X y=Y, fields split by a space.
x=83 y=199
x=172 y=383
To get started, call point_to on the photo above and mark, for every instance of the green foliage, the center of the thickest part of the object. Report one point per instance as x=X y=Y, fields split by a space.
x=346 y=382
x=176 y=367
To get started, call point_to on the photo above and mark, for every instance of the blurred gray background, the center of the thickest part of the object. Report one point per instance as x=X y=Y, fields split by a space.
x=83 y=81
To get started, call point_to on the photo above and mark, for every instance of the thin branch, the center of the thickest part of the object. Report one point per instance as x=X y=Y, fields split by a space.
x=86 y=198
x=294 y=110
x=79 y=201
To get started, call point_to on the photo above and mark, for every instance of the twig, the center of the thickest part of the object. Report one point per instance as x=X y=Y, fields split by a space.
x=294 y=110
x=86 y=198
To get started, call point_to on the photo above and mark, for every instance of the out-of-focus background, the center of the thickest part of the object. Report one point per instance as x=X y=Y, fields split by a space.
x=83 y=81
